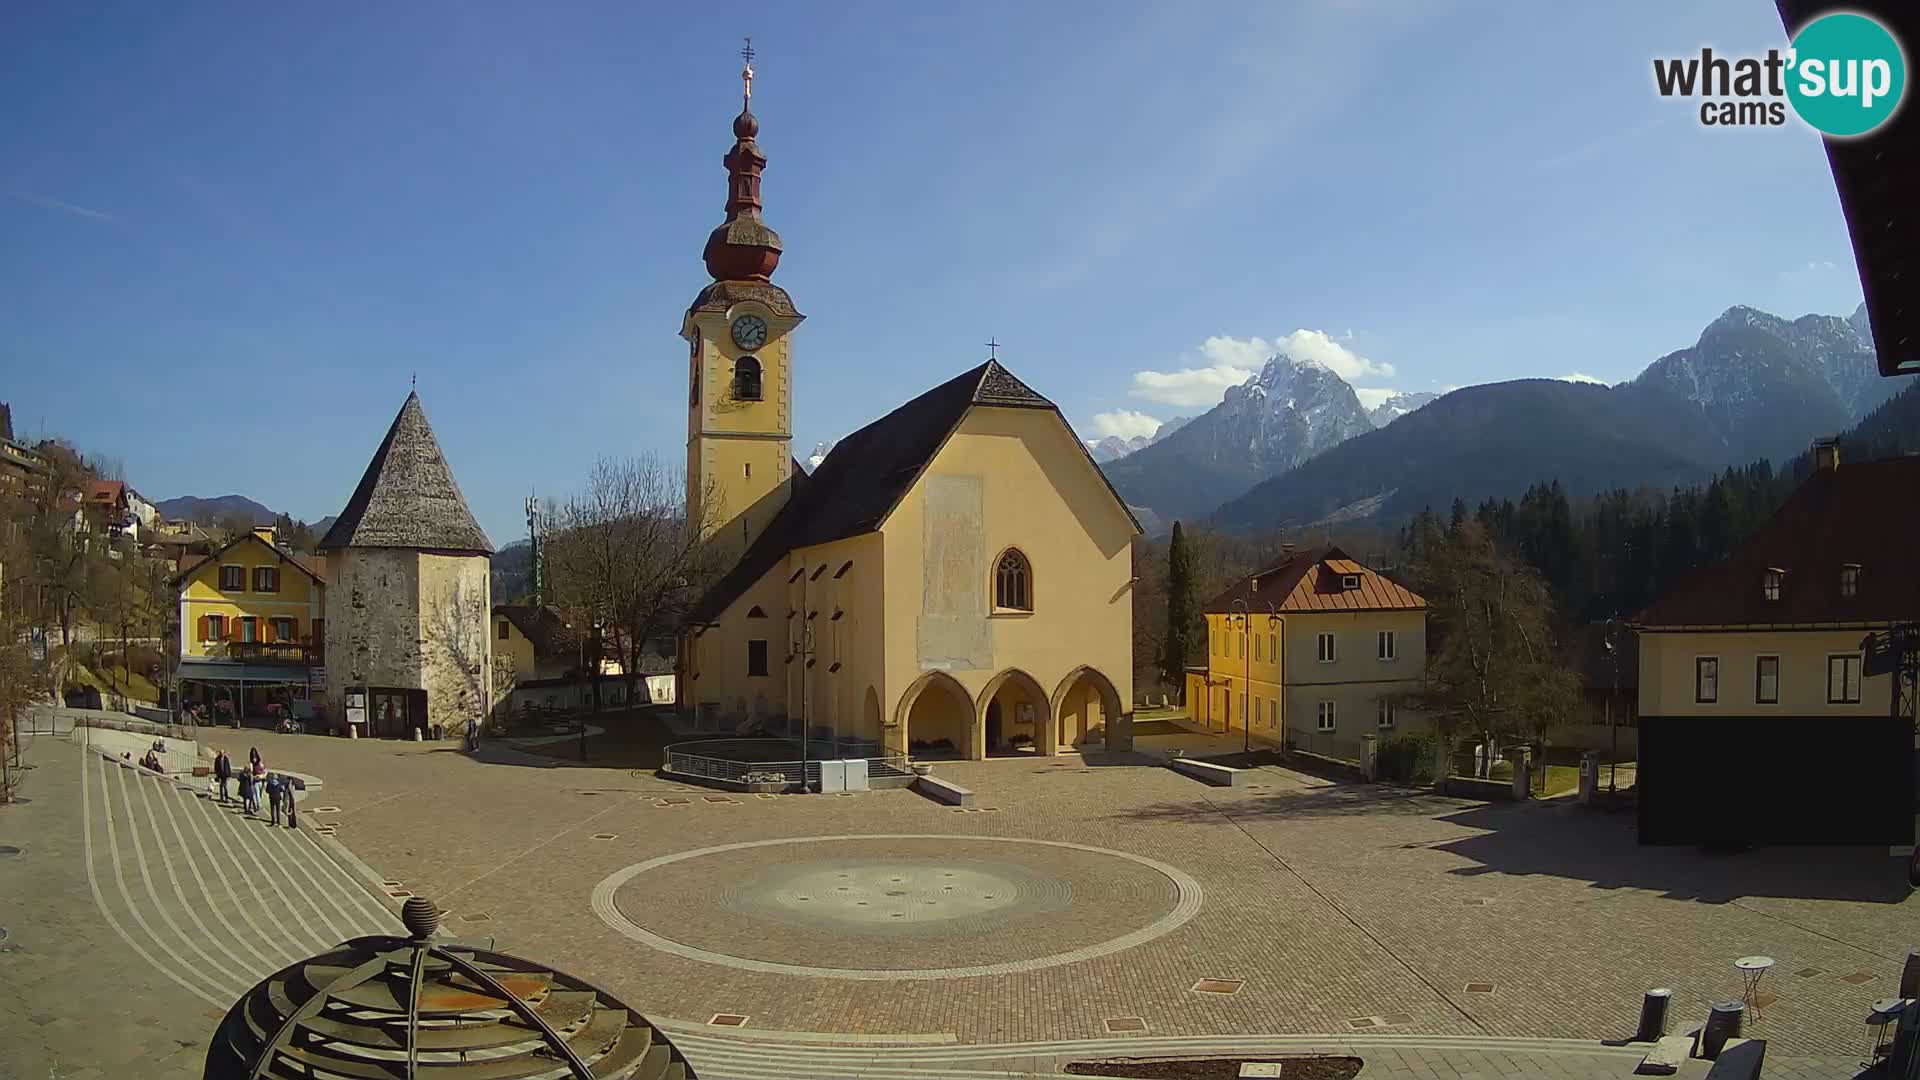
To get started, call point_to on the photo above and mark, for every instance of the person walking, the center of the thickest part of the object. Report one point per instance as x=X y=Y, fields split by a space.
x=274 y=785
x=222 y=772
x=247 y=796
x=255 y=765
x=287 y=788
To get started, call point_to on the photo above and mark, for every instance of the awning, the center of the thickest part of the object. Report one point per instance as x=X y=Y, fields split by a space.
x=219 y=671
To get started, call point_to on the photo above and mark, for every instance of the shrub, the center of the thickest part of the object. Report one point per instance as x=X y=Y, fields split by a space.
x=1408 y=758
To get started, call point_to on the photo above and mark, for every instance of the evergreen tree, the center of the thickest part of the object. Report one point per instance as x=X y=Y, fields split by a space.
x=1180 y=613
x=1458 y=517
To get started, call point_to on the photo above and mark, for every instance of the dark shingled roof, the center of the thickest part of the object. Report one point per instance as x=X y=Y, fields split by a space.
x=408 y=498
x=1875 y=176
x=1861 y=513
x=867 y=473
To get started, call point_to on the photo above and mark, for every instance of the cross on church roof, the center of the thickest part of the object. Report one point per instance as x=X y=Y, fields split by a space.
x=993 y=349
x=746 y=73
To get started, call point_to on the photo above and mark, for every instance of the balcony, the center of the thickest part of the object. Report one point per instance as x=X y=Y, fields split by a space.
x=275 y=652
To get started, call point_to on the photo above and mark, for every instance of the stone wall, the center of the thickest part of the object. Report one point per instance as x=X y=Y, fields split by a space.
x=402 y=618
x=456 y=658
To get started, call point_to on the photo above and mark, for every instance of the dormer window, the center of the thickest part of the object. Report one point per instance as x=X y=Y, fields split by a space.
x=1849 y=579
x=1349 y=582
x=1770 y=584
x=746 y=379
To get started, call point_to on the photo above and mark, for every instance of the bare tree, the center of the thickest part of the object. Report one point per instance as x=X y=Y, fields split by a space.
x=1492 y=663
x=61 y=561
x=624 y=563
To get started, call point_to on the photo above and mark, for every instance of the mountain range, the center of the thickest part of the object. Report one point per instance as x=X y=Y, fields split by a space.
x=1113 y=447
x=1292 y=446
x=222 y=508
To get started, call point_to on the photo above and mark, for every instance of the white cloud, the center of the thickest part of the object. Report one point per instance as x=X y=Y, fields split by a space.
x=1126 y=423
x=1372 y=397
x=1221 y=362
x=1581 y=376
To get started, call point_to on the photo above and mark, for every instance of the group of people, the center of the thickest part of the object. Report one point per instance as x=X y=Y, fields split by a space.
x=256 y=784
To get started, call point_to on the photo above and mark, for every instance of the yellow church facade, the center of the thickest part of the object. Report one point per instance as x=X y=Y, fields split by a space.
x=954 y=580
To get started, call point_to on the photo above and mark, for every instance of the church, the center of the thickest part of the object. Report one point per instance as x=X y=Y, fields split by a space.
x=954 y=580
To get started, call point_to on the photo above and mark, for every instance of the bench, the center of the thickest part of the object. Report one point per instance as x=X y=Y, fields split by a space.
x=202 y=770
x=945 y=791
x=1208 y=773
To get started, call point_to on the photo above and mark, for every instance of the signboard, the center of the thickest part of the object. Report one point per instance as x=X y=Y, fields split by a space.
x=316 y=680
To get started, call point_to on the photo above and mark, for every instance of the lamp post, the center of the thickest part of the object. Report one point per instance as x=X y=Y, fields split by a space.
x=1613 y=729
x=1246 y=681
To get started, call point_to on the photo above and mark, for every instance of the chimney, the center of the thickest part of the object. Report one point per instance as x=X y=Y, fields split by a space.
x=264 y=532
x=1826 y=454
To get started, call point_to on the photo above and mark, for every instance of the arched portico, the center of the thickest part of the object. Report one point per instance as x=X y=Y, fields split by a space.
x=1084 y=704
x=1013 y=715
x=935 y=708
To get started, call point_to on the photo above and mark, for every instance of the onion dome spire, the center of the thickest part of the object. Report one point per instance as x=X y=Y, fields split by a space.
x=743 y=248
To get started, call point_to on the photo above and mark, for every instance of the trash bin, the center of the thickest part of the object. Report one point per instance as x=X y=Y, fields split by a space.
x=438 y=731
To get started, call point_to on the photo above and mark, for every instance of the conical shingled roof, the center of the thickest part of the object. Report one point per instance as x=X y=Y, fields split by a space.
x=407 y=497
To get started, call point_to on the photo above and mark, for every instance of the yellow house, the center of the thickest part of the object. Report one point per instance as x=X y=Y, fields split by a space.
x=955 y=579
x=1312 y=651
x=252 y=624
x=1758 y=668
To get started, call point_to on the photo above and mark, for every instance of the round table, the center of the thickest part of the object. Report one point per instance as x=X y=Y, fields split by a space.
x=1752 y=969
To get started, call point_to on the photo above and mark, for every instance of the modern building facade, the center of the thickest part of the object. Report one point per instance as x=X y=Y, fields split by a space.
x=1313 y=651
x=1755 y=669
x=955 y=579
x=408 y=614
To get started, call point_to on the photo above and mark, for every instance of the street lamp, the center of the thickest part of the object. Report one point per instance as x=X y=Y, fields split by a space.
x=1246 y=682
x=1613 y=730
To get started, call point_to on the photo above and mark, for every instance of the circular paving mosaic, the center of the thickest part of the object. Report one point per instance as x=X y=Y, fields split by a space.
x=905 y=906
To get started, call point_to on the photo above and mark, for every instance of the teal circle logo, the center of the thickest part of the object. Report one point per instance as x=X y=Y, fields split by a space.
x=1846 y=75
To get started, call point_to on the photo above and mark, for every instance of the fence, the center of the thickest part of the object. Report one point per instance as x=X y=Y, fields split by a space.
x=1326 y=744
x=778 y=761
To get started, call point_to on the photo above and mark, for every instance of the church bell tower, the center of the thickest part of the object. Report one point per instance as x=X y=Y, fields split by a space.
x=739 y=333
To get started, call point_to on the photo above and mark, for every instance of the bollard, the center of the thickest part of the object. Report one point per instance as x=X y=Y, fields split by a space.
x=1723 y=1023
x=1910 y=975
x=1653 y=1015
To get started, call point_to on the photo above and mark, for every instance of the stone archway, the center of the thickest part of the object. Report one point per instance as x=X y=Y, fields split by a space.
x=935 y=708
x=1013 y=712
x=1085 y=704
x=870 y=717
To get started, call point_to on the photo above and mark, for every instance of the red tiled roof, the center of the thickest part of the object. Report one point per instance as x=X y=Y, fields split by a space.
x=1863 y=513
x=105 y=491
x=1310 y=581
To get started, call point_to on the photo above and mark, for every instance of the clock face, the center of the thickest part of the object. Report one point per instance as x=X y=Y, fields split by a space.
x=749 y=331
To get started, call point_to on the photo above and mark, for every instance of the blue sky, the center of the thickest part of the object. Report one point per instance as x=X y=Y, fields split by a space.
x=231 y=233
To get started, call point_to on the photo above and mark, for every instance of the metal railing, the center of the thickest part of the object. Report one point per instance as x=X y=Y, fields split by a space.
x=773 y=761
x=1326 y=744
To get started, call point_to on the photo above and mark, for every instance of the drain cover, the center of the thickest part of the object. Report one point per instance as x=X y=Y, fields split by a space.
x=8 y=849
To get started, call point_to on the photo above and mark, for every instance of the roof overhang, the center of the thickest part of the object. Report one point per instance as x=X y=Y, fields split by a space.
x=1876 y=176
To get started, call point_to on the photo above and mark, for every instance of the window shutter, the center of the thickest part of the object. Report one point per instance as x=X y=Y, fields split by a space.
x=206 y=627
x=266 y=632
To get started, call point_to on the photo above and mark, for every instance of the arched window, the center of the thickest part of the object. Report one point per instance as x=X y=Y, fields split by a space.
x=746 y=379
x=1013 y=583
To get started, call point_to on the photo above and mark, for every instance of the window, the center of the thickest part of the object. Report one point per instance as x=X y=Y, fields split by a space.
x=1385 y=714
x=1706 y=679
x=746 y=379
x=756 y=657
x=249 y=628
x=283 y=630
x=1766 y=680
x=1256 y=648
x=504 y=632
x=1770 y=584
x=319 y=631
x=1850 y=580
x=1843 y=679
x=1326 y=648
x=1349 y=582
x=756 y=612
x=266 y=579
x=233 y=579
x=1013 y=583
x=216 y=628
x=1240 y=647
x=1323 y=716
x=1273 y=713
x=1273 y=646
x=1386 y=645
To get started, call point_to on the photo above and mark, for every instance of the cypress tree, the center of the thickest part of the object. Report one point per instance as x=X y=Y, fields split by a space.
x=1173 y=660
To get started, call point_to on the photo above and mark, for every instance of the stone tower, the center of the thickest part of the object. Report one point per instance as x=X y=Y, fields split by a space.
x=740 y=361
x=408 y=591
